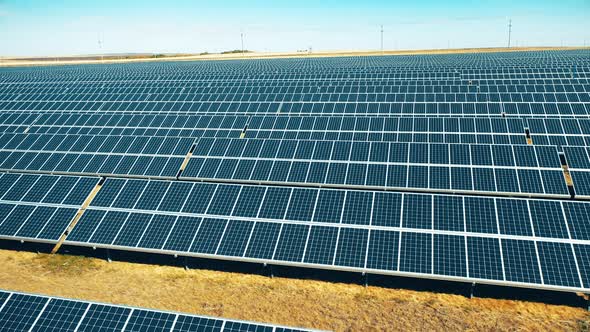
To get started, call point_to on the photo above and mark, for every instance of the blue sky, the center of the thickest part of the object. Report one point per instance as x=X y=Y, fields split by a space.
x=34 y=27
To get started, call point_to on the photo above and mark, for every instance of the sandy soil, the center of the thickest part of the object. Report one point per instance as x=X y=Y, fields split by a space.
x=260 y=55
x=293 y=302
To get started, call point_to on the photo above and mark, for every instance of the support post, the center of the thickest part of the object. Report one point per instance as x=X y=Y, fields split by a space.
x=471 y=291
x=365 y=279
x=585 y=299
x=267 y=270
x=186 y=263
x=109 y=255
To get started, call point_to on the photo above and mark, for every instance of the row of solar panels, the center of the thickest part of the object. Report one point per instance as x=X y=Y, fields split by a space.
x=41 y=90
x=179 y=121
x=534 y=243
x=550 y=109
x=36 y=91
x=42 y=205
x=301 y=75
x=405 y=137
x=480 y=125
x=565 y=131
x=506 y=181
x=557 y=140
x=537 y=170
x=485 y=215
x=197 y=94
x=352 y=207
x=73 y=101
x=305 y=150
x=173 y=121
x=386 y=152
x=37 y=313
x=527 y=182
x=418 y=66
x=146 y=78
x=568 y=71
x=289 y=96
x=508 y=261
x=145 y=145
x=91 y=163
x=402 y=137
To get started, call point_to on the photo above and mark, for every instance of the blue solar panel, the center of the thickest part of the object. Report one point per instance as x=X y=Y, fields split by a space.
x=417 y=211
x=329 y=206
x=485 y=258
x=358 y=208
x=520 y=261
x=321 y=245
x=20 y=312
x=60 y=315
x=143 y=320
x=448 y=213
x=352 y=247
x=263 y=240
x=558 y=264
x=416 y=253
x=547 y=219
x=209 y=235
x=132 y=231
x=449 y=255
x=313 y=174
x=480 y=215
x=235 y=238
x=181 y=236
x=577 y=219
x=292 y=242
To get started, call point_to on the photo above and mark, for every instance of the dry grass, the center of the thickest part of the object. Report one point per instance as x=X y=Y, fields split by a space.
x=261 y=55
x=305 y=303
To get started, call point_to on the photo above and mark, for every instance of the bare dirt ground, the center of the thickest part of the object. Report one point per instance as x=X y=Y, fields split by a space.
x=45 y=61
x=294 y=302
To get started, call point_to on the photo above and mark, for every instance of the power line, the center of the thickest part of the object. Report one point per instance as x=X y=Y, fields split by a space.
x=100 y=48
x=509 y=32
x=242 y=39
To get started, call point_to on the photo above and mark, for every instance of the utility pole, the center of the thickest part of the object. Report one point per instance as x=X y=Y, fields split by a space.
x=100 y=48
x=242 y=38
x=382 y=39
x=509 y=32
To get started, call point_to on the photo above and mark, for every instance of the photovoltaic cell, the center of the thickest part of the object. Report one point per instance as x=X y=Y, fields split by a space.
x=485 y=258
x=416 y=253
x=321 y=245
x=104 y=318
x=520 y=261
x=20 y=312
x=60 y=315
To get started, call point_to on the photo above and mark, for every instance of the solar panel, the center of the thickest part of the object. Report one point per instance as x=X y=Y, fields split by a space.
x=20 y=311
x=334 y=228
x=464 y=167
x=434 y=167
x=40 y=207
